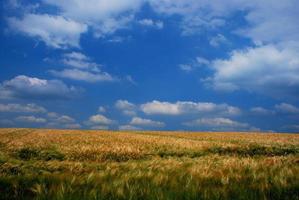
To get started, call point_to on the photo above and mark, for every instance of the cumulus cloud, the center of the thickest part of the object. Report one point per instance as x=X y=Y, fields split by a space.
x=99 y=120
x=34 y=88
x=187 y=107
x=22 y=108
x=274 y=59
x=265 y=70
x=219 y=124
x=137 y=121
x=265 y=21
x=126 y=107
x=31 y=119
x=38 y=115
x=55 y=31
x=104 y=17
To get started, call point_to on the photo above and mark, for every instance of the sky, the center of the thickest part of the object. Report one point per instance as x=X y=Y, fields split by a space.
x=194 y=65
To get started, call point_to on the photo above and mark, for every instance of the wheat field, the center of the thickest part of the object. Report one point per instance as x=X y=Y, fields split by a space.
x=83 y=164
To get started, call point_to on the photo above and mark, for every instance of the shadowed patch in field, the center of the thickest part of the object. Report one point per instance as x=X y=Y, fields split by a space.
x=27 y=153
x=254 y=150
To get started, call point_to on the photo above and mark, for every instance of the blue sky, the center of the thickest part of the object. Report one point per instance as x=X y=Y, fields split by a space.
x=150 y=65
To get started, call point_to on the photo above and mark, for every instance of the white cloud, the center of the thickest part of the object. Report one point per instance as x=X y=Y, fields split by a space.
x=31 y=119
x=198 y=15
x=261 y=111
x=202 y=61
x=56 y=120
x=187 y=107
x=35 y=88
x=274 y=61
x=186 y=67
x=264 y=18
x=80 y=75
x=80 y=61
x=287 y=108
x=199 y=62
x=151 y=23
x=157 y=107
x=218 y=40
x=111 y=25
x=126 y=107
x=128 y=127
x=272 y=23
x=137 y=121
x=94 y=10
x=65 y=119
x=196 y=24
x=82 y=69
x=52 y=115
x=105 y=17
x=55 y=31
x=204 y=8
x=22 y=108
x=62 y=119
x=41 y=116
x=218 y=123
x=265 y=69
x=99 y=120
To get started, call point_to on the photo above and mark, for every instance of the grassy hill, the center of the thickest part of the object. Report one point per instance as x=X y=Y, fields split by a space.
x=69 y=164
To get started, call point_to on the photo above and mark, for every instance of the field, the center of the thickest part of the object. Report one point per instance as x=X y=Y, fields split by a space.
x=66 y=164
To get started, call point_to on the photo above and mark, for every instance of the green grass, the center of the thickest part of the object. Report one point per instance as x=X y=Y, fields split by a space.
x=46 y=165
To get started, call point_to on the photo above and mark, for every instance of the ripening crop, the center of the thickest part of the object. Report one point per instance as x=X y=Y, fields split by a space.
x=69 y=164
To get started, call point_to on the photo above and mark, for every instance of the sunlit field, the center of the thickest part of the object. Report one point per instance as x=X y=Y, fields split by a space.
x=67 y=164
